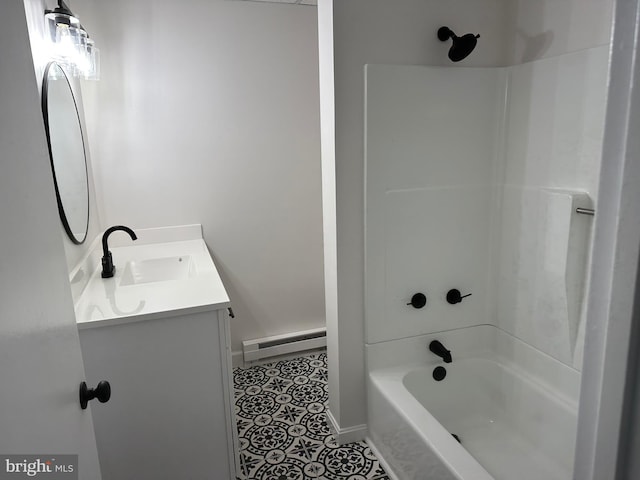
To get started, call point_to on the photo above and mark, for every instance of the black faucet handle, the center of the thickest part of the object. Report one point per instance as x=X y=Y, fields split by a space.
x=418 y=300
x=454 y=296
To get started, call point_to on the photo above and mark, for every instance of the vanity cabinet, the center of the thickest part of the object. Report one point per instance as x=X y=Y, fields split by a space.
x=171 y=414
x=158 y=332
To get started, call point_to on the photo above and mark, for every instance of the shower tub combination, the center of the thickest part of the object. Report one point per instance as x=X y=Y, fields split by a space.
x=513 y=408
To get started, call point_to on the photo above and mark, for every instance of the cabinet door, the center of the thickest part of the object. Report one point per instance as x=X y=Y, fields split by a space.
x=169 y=415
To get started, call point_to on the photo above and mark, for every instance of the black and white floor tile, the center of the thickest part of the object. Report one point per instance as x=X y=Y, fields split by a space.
x=283 y=429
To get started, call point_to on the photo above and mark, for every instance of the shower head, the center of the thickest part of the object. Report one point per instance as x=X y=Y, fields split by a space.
x=462 y=46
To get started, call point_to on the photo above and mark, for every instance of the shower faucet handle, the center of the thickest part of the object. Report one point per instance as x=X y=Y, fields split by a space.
x=418 y=300
x=454 y=296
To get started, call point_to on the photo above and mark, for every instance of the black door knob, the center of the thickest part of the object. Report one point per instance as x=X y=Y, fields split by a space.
x=102 y=392
x=454 y=296
x=418 y=300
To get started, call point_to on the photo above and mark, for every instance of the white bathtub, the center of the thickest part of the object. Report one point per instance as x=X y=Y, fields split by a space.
x=513 y=407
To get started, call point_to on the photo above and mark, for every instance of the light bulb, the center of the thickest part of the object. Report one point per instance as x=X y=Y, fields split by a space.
x=67 y=38
x=92 y=72
x=83 y=56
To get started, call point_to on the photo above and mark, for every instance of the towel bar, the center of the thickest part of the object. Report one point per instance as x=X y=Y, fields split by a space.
x=586 y=211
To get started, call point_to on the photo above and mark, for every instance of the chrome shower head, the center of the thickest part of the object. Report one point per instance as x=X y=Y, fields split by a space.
x=462 y=46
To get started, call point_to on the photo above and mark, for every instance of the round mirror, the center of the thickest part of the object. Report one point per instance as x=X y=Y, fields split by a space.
x=66 y=150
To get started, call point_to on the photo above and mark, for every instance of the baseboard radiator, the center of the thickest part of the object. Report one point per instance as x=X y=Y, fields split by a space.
x=284 y=344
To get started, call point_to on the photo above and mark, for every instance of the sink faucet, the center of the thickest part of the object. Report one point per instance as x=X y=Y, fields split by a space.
x=108 y=269
x=436 y=347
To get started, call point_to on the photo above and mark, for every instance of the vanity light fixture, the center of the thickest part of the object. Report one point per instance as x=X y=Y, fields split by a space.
x=71 y=45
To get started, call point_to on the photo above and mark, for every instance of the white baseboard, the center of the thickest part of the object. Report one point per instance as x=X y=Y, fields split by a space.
x=387 y=468
x=346 y=435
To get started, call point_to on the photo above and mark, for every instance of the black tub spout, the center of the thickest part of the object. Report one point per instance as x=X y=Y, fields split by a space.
x=436 y=347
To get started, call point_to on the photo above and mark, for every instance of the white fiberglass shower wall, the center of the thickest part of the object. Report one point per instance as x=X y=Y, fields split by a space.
x=553 y=142
x=472 y=180
x=431 y=144
x=473 y=177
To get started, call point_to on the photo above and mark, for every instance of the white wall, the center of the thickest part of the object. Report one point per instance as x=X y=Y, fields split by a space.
x=210 y=114
x=547 y=28
x=330 y=249
x=403 y=32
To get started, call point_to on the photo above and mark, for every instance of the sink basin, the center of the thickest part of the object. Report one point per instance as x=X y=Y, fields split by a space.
x=158 y=270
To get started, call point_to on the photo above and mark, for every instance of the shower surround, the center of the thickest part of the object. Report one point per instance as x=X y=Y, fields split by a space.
x=473 y=176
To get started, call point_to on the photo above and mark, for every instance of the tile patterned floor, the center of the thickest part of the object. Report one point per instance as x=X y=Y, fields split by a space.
x=283 y=429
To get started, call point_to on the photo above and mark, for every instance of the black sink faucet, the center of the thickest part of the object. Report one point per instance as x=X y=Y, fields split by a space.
x=436 y=347
x=108 y=269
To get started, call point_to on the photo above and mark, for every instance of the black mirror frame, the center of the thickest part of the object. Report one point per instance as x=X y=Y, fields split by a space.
x=45 y=114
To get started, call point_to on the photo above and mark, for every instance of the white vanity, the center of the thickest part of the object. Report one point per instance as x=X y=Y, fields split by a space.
x=158 y=332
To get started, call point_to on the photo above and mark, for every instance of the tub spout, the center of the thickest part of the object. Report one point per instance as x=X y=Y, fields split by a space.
x=436 y=347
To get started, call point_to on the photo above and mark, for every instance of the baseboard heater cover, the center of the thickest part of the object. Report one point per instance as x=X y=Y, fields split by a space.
x=284 y=344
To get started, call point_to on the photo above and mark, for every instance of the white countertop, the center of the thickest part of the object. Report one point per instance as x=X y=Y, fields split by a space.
x=105 y=301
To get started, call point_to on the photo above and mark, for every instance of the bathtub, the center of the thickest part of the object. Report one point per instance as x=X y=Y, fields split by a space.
x=513 y=408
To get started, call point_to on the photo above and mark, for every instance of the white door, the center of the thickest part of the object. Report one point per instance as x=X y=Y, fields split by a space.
x=40 y=361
